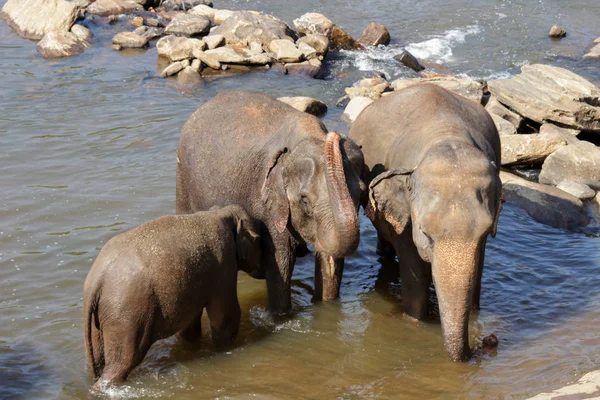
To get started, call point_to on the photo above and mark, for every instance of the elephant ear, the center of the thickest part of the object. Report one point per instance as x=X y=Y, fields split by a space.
x=273 y=192
x=388 y=198
x=248 y=246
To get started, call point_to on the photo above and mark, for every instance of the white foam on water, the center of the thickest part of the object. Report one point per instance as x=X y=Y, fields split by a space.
x=439 y=47
x=260 y=316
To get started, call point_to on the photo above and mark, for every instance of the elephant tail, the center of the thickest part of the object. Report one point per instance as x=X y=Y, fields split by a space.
x=93 y=337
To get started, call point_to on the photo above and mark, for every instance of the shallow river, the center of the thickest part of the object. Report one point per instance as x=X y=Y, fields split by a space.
x=88 y=150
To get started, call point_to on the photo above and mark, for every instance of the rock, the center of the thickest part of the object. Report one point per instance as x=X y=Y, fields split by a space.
x=149 y=33
x=490 y=342
x=208 y=59
x=468 y=88
x=155 y=23
x=259 y=59
x=256 y=48
x=551 y=94
x=172 y=69
x=557 y=32
x=594 y=52
x=373 y=92
x=579 y=162
x=203 y=10
x=545 y=204
x=32 y=19
x=188 y=25
x=221 y=16
x=343 y=101
x=137 y=21
x=528 y=149
x=315 y=23
x=305 y=68
x=197 y=65
x=105 y=8
x=214 y=41
x=246 y=27
x=568 y=135
x=188 y=76
x=585 y=388
x=433 y=69
x=372 y=82
x=408 y=60
x=493 y=106
x=130 y=40
x=307 y=51
x=174 y=48
x=503 y=126
x=355 y=107
x=184 y=5
x=316 y=41
x=306 y=104
x=82 y=33
x=579 y=190
x=285 y=51
x=60 y=44
x=374 y=35
x=226 y=55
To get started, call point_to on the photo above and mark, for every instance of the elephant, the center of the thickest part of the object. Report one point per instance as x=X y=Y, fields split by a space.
x=283 y=166
x=434 y=197
x=154 y=281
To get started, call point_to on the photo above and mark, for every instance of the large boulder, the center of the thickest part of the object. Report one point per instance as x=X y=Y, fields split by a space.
x=188 y=25
x=355 y=107
x=551 y=94
x=374 y=35
x=579 y=162
x=183 y=5
x=60 y=44
x=245 y=27
x=465 y=87
x=528 y=149
x=32 y=19
x=306 y=104
x=545 y=204
x=105 y=8
x=315 y=23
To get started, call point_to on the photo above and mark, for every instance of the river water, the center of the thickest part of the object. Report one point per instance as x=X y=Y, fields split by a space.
x=88 y=150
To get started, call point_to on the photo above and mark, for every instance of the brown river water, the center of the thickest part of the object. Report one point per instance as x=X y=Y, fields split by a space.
x=88 y=150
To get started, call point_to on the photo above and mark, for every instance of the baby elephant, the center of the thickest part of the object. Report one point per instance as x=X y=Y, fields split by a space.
x=155 y=280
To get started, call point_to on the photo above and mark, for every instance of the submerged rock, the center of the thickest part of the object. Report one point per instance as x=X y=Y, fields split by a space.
x=130 y=40
x=245 y=27
x=551 y=94
x=60 y=44
x=32 y=19
x=183 y=5
x=465 y=87
x=188 y=25
x=374 y=35
x=557 y=32
x=545 y=204
x=579 y=162
x=579 y=190
x=528 y=149
x=105 y=8
x=306 y=104
x=355 y=107
x=307 y=68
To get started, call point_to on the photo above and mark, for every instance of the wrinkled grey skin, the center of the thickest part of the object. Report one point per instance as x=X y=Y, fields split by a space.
x=283 y=167
x=434 y=195
x=155 y=280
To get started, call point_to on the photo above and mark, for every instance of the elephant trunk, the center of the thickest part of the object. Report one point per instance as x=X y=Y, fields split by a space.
x=340 y=235
x=328 y=277
x=454 y=274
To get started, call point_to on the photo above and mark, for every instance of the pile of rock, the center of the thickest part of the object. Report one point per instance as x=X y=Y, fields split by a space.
x=539 y=115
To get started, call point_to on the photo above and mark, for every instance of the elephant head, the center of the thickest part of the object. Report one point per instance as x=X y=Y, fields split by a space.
x=451 y=200
x=313 y=190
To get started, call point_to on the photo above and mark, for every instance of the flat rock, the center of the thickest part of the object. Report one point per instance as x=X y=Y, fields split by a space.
x=493 y=106
x=82 y=33
x=355 y=107
x=528 y=149
x=585 y=388
x=579 y=162
x=408 y=60
x=130 y=40
x=285 y=51
x=579 y=190
x=32 y=19
x=545 y=204
x=227 y=55
x=551 y=94
x=208 y=59
x=174 y=48
x=306 y=104
x=316 y=41
x=315 y=23
x=60 y=44
x=188 y=25
x=245 y=27
x=557 y=32
x=173 y=69
x=214 y=41
x=105 y=8
x=183 y=5
x=189 y=76
x=503 y=126
x=374 y=35
x=468 y=88
x=568 y=135
x=594 y=52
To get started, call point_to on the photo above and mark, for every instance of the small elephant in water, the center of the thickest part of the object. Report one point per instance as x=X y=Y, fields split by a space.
x=283 y=167
x=155 y=280
x=434 y=196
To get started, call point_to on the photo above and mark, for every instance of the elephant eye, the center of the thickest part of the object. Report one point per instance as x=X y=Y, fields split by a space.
x=304 y=200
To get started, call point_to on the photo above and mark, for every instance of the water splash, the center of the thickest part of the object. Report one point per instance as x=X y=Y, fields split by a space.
x=439 y=47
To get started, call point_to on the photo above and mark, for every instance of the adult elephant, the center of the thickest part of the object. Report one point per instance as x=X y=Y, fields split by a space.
x=434 y=195
x=283 y=167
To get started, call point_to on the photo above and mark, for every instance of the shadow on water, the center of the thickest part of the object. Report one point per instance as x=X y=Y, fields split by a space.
x=23 y=373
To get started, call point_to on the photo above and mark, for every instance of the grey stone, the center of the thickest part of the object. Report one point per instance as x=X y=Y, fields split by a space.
x=60 y=44
x=226 y=55
x=188 y=76
x=172 y=69
x=174 y=48
x=307 y=51
x=503 y=126
x=82 y=33
x=374 y=35
x=579 y=162
x=188 y=25
x=208 y=59
x=285 y=51
x=306 y=104
x=204 y=10
x=130 y=40
x=315 y=23
x=106 y=8
x=214 y=41
x=245 y=27
x=307 y=68
x=197 y=65
x=551 y=94
x=183 y=5
x=594 y=52
x=568 y=135
x=410 y=61
x=528 y=149
x=355 y=107
x=545 y=204
x=579 y=190
x=465 y=87
x=255 y=48
x=557 y=32
x=495 y=107
x=32 y=19
x=316 y=41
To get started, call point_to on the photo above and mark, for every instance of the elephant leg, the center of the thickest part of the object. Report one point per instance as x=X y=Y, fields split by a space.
x=475 y=304
x=415 y=275
x=224 y=314
x=328 y=277
x=279 y=269
x=182 y=198
x=193 y=332
x=384 y=248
